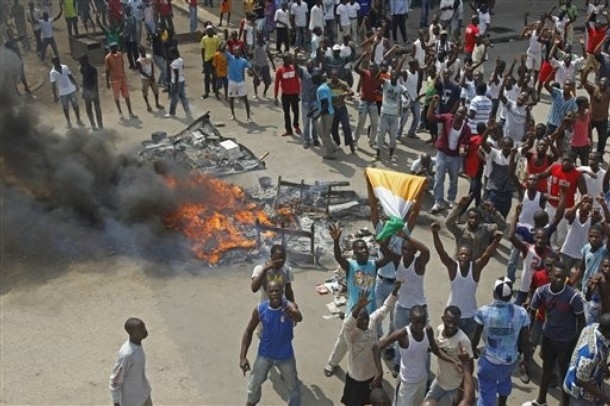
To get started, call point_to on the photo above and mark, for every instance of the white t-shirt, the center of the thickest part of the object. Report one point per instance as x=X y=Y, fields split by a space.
x=448 y=377
x=316 y=19
x=147 y=65
x=564 y=72
x=514 y=127
x=594 y=186
x=299 y=11
x=46 y=28
x=454 y=137
x=391 y=98
x=560 y=24
x=329 y=9
x=249 y=30
x=353 y=10
x=446 y=14
x=177 y=64
x=535 y=47
x=484 y=20
x=416 y=166
x=282 y=17
x=62 y=80
x=343 y=13
x=346 y=53
x=283 y=276
x=411 y=84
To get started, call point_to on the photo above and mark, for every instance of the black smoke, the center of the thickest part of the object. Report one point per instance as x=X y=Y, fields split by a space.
x=72 y=195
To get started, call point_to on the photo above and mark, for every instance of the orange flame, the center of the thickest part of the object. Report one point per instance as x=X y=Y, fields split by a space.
x=217 y=223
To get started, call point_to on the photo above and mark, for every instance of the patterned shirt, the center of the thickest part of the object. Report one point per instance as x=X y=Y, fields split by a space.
x=502 y=323
x=559 y=107
x=588 y=363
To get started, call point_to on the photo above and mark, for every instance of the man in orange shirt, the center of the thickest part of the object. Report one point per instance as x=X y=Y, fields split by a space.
x=116 y=78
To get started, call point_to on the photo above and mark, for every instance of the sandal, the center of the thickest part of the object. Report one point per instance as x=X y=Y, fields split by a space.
x=329 y=370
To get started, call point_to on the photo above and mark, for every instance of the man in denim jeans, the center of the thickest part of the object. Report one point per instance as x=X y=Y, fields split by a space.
x=308 y=103
x=370 y=86
x=278 y=317
x=451 y=146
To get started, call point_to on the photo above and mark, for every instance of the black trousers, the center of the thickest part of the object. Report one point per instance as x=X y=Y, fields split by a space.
x=602 y=134
x=209 y=77
x=131 y=48
x=282 y=38
x=290 y=101
x=399 y=22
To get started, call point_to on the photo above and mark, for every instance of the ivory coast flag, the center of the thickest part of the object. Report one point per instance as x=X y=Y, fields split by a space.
x=398 y=193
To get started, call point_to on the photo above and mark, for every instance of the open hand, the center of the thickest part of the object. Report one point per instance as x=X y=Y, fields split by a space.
x=335 y=231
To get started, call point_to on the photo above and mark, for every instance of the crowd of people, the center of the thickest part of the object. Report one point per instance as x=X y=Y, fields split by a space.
x=483 y=129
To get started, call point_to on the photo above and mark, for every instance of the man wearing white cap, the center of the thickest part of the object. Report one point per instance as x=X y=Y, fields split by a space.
x=209 y=46
x=506 y=327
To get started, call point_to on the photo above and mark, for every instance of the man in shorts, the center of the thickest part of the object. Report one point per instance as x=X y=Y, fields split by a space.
x=64 y=90
x=147 y=77
x=237 y=80
x=117 y=80
x=260 y=61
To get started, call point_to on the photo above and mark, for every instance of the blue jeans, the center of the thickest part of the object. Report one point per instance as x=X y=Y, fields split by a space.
x=341 y=117
x=309 y=124
x=300 y=40
x=414 y=108
x=193 y=18
x=383 y=289
x=367 y=108
x=176 y=94
x=260 y=371
x=446 y=164
x=423 y=16
x=493 y=380
x=402 y=317
x=160 y=62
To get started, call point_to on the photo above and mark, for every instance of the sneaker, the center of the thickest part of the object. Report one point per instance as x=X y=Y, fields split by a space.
x=436 y=208
x=524 y=376
x=168 y=115
x=120 y=116
x=149 y=109
x=316 y=143
x=255 y=97
x=297 y=130
x=286 y=134
x=80 y=123
x=533 y=403
x=249 y=119
x=93 y=128
x=205 y=96
x=393 y=158
x=68 y=125
x=306 y=145
x=233 y=118
x=352 y=149
x=160 y=107
x=451 y=204
x=133 y=116
x=411 y=135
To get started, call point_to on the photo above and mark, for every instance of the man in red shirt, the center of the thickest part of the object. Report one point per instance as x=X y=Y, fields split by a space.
x=286 y=77
x=470 y=35
x=370 y=85
x=166 y=13
x=235 y=43
x=473 y=166
x=560 y=174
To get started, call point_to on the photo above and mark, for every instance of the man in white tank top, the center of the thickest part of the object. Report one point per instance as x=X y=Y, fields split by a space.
x=464 y=274
x=579 y=218
x=414 y=342
x=410 y=271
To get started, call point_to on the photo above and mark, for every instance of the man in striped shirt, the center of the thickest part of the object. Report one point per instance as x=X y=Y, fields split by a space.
x=562 y=102
x=480 y=108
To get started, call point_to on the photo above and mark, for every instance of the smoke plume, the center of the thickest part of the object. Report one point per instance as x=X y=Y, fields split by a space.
x=71 y=195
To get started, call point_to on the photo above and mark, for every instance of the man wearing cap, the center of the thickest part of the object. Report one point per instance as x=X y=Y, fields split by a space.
x=209 y=46
x=506 y=327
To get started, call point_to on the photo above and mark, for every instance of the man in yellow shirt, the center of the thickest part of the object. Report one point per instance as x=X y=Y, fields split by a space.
x=209 y=46
x=71 y=17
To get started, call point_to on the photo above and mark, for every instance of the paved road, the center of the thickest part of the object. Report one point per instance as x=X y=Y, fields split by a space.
x=196 y=315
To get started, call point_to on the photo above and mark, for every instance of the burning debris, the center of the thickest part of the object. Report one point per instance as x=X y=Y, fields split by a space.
x=201 y=147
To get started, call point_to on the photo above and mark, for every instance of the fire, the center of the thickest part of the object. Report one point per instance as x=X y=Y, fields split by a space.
x=217 y=220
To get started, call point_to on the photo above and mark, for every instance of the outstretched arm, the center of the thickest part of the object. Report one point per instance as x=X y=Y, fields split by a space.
x=483 y=260
x=440 y=249
x=335 y=233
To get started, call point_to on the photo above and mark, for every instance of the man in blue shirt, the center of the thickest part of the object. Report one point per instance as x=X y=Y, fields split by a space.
x=237 y=80
x=506 y=327
x=277 y=316
x=360 y=275
x=324 y=105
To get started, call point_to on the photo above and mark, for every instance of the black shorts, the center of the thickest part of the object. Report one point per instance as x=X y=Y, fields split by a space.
x=356 y=393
